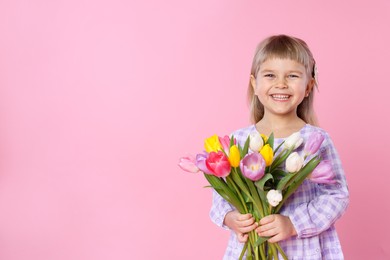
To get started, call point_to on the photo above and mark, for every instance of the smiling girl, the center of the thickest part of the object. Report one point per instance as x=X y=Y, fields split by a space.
x=281 y=93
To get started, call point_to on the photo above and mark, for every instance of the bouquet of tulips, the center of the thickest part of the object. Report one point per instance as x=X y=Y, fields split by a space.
x=256 y=179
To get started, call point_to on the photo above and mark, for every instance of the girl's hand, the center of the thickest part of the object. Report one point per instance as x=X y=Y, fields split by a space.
x=241 y=224
x=277 y=227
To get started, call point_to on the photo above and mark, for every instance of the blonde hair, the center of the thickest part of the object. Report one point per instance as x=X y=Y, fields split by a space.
x=284 y=47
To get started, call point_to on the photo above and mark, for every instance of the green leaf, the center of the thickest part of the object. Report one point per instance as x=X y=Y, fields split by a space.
x=241 y=152
x=208 y=186
x=237 y=179
x=246 y=147
x=231 y=141
x=260 y=241
x=280 y=158
x=260 y=183
x=282 y=183
x=278 y=174
x=270 y=140
x=277 y=148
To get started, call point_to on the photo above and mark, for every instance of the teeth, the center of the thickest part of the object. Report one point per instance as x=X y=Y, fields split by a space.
x=282 y=97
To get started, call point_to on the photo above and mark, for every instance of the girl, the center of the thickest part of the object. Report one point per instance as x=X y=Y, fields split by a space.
x=281 y=94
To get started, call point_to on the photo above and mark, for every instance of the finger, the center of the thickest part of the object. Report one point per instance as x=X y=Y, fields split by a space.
x=248 y=228
x=276 y=238
x=266 y=227
x=242 y=217
x=245 y=223
x=268 y=233
x=267 y=219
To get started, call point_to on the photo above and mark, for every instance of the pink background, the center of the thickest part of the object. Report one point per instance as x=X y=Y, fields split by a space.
x=99 y=99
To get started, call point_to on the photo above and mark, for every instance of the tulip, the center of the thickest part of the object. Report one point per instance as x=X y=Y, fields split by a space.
x=234 y=156
x=323 y=173
x=187 y=163
x=265 y=138
x=313 y=143
x=267 y=154
x=274 y=197
x=293 y=141
x=253 y=166
x=212 y=144
x=225 y=143
x=255 y=141
x=294 y=162
x=218 y=164
x=200 y=162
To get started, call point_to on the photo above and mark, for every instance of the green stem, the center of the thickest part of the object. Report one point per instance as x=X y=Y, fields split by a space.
x=274 y=251
x=262 y=251
x=243 y=251
x=238 y=193
x=281 y=251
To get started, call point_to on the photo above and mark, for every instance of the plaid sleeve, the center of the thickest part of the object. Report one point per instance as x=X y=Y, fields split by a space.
x=330 y=200
x=219 y=208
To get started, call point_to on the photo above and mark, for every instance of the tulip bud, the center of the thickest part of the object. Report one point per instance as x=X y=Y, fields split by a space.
x=188 y=164
x=265 y=138
x=274 y=197
x=234 y=156
x=294 y=162
x=293 y=141
x=253 y=166
x=313 y=143
x=255 y=141
x=323 y=173
x=212 y=144
x=225 y=143
x=267 y=154
x=218 y=164
x=200 y=162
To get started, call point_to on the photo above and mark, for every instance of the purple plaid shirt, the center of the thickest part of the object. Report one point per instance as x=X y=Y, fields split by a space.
x=313 y=208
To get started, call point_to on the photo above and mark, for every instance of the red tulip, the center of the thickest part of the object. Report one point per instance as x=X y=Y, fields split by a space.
x=218 y=164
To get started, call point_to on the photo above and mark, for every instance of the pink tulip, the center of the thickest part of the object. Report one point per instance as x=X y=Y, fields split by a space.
x=314 y=143
x=201 y=162
x=187 y=164
x=218 y=164
x=323 y=173
x=252 y=166
x=225 y=142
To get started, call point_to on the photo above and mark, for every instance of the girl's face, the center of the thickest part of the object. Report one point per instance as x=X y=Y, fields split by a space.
x=281 y=85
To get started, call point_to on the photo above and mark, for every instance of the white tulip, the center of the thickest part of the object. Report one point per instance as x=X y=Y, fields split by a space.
x=274 y=197
x=294 y=162
x=255 y=141
x=293 y=141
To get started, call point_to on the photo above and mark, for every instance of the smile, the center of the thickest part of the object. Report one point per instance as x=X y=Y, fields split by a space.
x=280 y=97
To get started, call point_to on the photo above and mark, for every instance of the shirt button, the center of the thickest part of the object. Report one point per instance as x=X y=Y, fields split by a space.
x=328 y=216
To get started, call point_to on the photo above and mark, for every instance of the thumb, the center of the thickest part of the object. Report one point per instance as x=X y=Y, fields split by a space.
x=242 y=238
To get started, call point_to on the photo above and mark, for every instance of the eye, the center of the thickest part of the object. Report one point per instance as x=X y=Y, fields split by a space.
x=293 y=76
x=269 y=75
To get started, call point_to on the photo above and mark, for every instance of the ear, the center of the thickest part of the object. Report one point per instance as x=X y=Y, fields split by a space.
x=253 y=82
x=310 y=86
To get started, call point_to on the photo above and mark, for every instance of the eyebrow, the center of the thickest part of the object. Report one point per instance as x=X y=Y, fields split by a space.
x=289 y=71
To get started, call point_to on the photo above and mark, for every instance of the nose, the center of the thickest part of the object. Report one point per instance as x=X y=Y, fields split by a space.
x=281 y=83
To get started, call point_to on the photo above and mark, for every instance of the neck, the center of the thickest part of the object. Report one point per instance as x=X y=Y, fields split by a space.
x=280 y=126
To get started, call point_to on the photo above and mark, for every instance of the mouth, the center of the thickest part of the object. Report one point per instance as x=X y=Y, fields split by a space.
x=280 y=97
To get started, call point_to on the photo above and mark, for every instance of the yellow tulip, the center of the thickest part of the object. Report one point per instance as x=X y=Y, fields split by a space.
x=212 y=144
x=265 y=138
x=234 y=156
x=267 y=154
